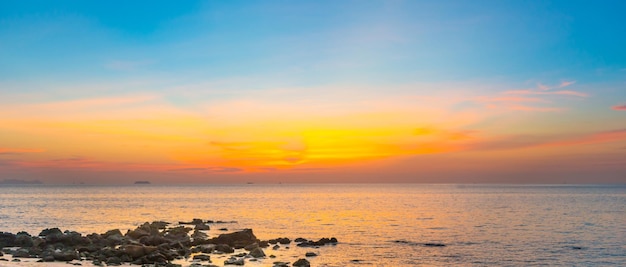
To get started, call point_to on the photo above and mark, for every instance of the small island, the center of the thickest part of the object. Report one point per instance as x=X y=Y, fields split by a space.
x=18 y=182
x=142 y=182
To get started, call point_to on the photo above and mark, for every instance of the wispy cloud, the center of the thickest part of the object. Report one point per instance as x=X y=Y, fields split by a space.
x=535 y=92
x=17 y=151
x=619 y=107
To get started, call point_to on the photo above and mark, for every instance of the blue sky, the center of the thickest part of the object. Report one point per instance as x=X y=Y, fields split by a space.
x=547 y=68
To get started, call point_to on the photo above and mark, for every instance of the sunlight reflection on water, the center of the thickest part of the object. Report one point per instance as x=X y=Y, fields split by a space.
x=377 y=225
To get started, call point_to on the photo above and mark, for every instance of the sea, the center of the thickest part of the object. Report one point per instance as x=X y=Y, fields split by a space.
x=375 y=224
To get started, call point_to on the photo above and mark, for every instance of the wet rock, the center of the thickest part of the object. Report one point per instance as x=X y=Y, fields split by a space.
x=114 y=261
x=137 y=251
x=202 y=257
x=310 y=254
x=16 y=260
x=66 y=255
x=208 y=248
x=302 y=263
x=238 y=239
x=203 y=227
x=97 y=262
x=234 y=261
x=257 y=253
x=434 y=245
x=23 y=239
x=280 y=264
x=50 y=231
x=116 y=232
x=224 y=248
x=300 y=240
x=275 y=247
x=251 y=246
x=7 y=239
x=223 y=229
x=21 y=253
x=197 y=235
x=322 y=242
x=281 y=240
x=48 y=258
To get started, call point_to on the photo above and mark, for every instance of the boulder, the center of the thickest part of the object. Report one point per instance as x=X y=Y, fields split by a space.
x=302 y=263
x=234 y=261
x=202 y=257
x=7 y=239
x=310 y=254
x=202 y=226
x=224 y=248
x=137 y=251
x=238 y=239
x=65 y=255
x=251 y=246
x=257 y=253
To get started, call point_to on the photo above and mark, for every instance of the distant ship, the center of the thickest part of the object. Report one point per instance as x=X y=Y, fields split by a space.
x=142 y=182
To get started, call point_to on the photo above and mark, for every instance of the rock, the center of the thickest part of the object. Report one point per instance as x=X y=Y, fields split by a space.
x=251 y=246
x=275 y=247
x=310 y=254
x=197 y=235
x=202 y=227
x=48 y=258
x=257 y=253
x=137 y=251
x=280 y=264
x=66 y=255
x=234 y=261
x=238 y=239
x=223 y=229
x=300 y=240
x=23 y=239
x=21 y=253
x=208 y=248
x=224 y=248
x=114 y=261
x=302 y=263
x=7 y=239
x=116 y=232
x=16 y=260
x=434 y=245
x=202 y=257
x=50 y=231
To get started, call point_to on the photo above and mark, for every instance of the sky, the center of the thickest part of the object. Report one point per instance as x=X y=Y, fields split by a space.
x=313 y=91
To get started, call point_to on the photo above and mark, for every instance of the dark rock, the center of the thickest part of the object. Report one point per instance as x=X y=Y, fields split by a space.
x=154 y=240
x=238 y=239
x=251 y=246
x=97 y=262
x=23 y=239
x=112 y=232
x=202 y=226
x=48 y=258
x=310 y=254
x=275 y=247
x=7 y=239
x=197 y=235
x=202 y=257
x=300 y=240
x=21 y=253
x=114 y=261
x=50 y=231
x=280 y=264
x=257 y=253
x=234 y=261
x=302 y=263
x=136 y=251
x=66 y=255
x=223 y=229
x=16 y=260
x=208 y=248
x=434 y=245
x=272 y=256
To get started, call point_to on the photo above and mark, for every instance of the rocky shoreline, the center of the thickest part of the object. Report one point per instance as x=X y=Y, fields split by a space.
x=152 y=244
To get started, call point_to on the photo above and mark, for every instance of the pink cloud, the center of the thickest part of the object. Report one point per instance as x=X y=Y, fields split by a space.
x=509 y=99
x=566 y=83
x=620 y=107
x=531 y=92
x=530 y=108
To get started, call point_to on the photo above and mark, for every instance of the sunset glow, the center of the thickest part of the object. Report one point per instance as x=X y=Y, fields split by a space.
x=318 y=92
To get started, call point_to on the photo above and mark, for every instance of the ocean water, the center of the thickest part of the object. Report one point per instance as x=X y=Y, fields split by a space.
x=376 y=225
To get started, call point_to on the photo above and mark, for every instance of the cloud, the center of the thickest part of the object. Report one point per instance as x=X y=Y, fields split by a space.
x=533 y=92
x=18 y=151
x=208 y=169
x=619 y=107
x=566 y=83
x=593 y=138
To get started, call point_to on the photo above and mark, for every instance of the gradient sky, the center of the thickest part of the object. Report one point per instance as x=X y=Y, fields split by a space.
x=313 y=91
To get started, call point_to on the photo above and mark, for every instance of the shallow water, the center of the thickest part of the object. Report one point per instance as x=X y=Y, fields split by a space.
x=377 y=225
